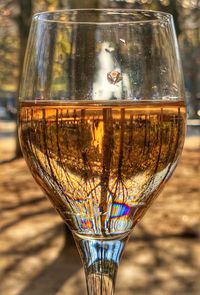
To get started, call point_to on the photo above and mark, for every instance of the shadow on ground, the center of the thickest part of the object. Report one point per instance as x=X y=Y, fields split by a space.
x=162 y=256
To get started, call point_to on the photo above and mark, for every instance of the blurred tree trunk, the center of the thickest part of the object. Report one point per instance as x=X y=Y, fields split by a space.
x=60 y=4
x=23 y=21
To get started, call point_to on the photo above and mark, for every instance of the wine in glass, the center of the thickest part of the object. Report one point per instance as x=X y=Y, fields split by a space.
x=102 y=123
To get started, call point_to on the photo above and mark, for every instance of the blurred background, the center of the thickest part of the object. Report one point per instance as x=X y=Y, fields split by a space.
x=37 y=255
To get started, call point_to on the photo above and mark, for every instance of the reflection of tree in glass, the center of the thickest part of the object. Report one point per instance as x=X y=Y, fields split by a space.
x=106 y=162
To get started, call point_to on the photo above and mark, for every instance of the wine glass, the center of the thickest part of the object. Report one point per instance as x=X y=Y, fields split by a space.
x=102 y=123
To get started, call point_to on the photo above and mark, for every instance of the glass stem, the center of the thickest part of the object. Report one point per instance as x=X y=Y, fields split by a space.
x=101 y=260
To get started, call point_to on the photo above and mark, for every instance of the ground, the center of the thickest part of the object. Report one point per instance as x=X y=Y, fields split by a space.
x=161 y=258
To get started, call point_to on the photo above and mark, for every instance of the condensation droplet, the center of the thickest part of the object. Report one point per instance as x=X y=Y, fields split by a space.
x=114 y=77
x=122 y=40
x=164 y=70
x=109 y=50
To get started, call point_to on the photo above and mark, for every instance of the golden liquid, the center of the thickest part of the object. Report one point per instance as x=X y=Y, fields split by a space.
x=101 y=164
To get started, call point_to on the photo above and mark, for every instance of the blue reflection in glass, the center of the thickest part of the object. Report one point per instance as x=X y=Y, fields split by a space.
x=102 y=250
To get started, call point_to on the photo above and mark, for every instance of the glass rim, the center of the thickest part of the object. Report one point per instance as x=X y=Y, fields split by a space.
x=159 y=16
